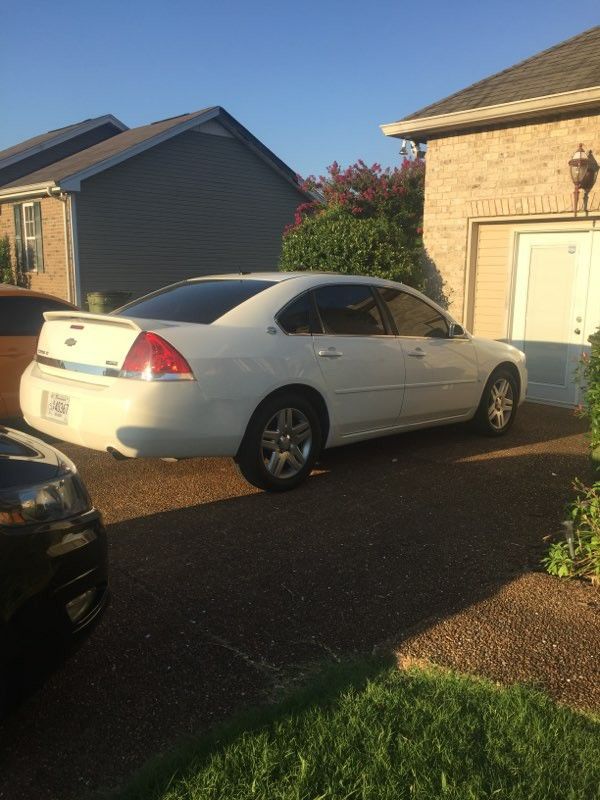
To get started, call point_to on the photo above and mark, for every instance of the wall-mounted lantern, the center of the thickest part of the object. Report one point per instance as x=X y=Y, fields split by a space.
x=584 y=169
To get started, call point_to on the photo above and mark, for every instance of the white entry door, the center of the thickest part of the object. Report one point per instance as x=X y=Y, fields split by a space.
x=549 y=311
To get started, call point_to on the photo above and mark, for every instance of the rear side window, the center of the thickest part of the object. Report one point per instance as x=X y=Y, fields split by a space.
x=296 y=318
x=349 y=310
x=414 y=317
x=201 y=301
x=24 y=316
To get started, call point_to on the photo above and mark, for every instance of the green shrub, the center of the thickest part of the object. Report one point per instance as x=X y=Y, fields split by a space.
x=579 y=555
x=590 y=378
x=337 y=242
x=6 y=270
x=364 y=220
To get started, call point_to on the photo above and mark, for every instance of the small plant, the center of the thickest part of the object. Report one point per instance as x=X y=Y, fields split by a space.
x=578 y=556
x=590 y=378
x=6 y=270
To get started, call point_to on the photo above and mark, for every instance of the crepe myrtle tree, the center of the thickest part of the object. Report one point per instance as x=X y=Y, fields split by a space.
x=363 y=221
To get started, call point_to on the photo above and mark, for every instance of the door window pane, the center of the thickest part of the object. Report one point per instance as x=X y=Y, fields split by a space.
x=414 y=317
x=350 y=310
x=296 y=317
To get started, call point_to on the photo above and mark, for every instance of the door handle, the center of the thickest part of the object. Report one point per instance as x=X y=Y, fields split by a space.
x=577 y=331
x=418 y=353
x=331 y=352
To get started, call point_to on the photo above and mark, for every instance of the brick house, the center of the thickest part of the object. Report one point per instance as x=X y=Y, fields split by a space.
x=97 y=206
x=499 y=221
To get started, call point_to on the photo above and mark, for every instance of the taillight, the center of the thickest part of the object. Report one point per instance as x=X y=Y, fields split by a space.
x=151 y=358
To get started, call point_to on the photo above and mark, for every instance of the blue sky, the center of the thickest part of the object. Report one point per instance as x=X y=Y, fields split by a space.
x=313 y=80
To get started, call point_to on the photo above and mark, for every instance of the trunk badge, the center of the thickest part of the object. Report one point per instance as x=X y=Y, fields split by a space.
x=70 y=342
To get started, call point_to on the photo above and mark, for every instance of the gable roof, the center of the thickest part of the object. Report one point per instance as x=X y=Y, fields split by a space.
x=68 y=173
x=562 y=77
x=51 y=138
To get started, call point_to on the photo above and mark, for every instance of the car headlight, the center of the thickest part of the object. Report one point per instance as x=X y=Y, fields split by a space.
x=64 y=496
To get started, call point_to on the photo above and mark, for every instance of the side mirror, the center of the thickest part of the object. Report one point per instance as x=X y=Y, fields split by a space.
x=456 y=331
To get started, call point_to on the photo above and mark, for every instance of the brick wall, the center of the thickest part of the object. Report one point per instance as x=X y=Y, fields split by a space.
x=54 y=278
x=519 y=170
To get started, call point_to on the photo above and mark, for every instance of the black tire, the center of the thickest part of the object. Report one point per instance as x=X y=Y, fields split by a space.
x=293 y=454
x=491 y=418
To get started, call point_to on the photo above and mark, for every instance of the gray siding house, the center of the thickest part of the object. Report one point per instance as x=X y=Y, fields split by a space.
x=140 y=208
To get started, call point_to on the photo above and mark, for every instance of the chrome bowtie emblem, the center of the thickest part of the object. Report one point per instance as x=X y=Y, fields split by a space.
x=70 y=342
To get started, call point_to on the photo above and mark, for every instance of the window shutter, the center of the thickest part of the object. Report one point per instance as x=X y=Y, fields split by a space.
x=39 y=248
x=18 y=237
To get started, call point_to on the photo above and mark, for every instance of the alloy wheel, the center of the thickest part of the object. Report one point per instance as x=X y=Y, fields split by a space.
x=500 y=405
x=286 y=443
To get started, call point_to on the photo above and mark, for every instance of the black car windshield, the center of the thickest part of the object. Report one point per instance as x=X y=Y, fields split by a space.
x=198 y=301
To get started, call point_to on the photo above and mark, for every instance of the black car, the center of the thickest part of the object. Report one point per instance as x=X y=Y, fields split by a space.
x=53 y=554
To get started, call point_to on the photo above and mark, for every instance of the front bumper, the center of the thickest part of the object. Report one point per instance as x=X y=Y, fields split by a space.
x=53 y=583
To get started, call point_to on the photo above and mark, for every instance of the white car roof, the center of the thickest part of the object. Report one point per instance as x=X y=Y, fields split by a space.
x=277 y=277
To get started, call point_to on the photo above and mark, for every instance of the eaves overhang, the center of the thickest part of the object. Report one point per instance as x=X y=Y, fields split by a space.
x=420 y=129
x=32 y=190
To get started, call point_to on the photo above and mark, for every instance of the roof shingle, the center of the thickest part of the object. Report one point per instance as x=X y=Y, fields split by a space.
x=46 y=138
x=101 y=151
x=568 y=66
x=95 y=155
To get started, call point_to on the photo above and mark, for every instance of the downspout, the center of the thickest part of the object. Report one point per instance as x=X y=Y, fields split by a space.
x=71 y=242
x=75 y=250
x=68 y=260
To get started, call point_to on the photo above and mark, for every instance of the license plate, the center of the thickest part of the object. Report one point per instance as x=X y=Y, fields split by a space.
x=57 y=407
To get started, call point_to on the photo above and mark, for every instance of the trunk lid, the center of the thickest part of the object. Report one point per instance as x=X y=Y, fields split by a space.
x=86 y=347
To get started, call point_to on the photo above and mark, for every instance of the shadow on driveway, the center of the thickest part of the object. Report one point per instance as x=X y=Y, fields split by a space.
x=215 y=605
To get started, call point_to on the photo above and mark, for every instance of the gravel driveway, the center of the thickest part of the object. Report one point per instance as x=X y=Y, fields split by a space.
x=427 y=540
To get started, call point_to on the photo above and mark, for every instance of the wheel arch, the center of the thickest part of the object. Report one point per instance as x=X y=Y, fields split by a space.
x=511 y=367
x=311 y=394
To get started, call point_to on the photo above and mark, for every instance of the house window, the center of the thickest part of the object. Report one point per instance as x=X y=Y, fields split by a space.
x=28 y=237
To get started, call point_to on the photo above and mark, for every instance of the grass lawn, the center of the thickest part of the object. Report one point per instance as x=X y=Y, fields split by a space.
x=371 y=731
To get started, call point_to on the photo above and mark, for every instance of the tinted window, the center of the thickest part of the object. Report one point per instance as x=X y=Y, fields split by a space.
x=23 y=316
x=201 y=301
x=349 y=310
x=412 y=316
x=296 y=317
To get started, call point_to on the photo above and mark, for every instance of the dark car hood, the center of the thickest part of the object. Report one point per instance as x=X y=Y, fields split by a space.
x=25 y=461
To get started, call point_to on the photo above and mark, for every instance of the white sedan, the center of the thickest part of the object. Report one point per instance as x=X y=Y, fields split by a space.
x=269 y=368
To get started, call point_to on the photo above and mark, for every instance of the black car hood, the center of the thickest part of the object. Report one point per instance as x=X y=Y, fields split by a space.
x=25 y=461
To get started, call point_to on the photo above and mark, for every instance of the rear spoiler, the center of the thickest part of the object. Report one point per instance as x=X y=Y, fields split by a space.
x=85 y=316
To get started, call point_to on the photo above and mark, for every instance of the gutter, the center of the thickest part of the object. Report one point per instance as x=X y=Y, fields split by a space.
x=33 y=190
x=421 y=128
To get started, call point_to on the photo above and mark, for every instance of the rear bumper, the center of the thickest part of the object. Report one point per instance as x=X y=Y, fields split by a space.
x=171 y=419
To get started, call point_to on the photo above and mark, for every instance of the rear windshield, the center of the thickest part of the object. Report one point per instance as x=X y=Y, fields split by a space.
x=202 y=301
